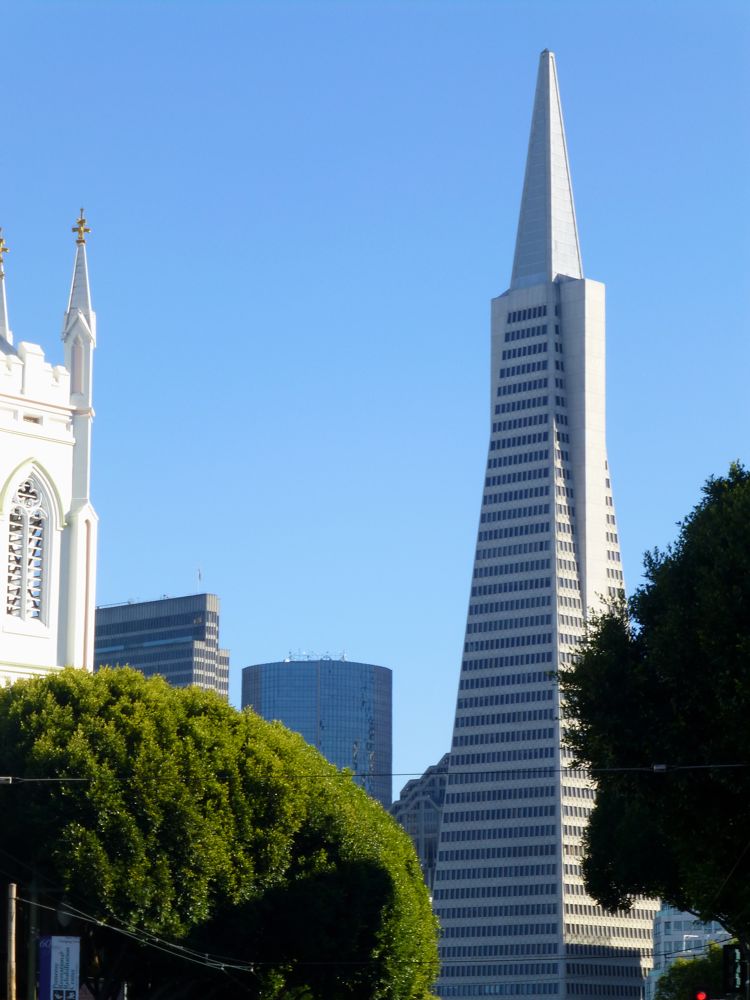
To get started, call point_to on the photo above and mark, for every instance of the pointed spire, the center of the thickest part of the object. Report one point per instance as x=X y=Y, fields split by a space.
x=80 y=294
x=547 y=239
x=5 y=333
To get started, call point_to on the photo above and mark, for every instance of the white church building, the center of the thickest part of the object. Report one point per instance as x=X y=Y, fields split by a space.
x=48 y=526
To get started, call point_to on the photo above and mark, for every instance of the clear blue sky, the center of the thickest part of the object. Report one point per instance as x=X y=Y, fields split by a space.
x=300 y=212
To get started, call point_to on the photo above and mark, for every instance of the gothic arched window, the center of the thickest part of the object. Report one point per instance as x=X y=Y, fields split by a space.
x=26 y=555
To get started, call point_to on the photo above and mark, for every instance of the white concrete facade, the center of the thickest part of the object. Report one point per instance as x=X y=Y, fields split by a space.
x=47 y=522
x=508 y=888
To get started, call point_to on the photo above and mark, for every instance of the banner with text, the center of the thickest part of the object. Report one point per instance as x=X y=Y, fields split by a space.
x=59 y=959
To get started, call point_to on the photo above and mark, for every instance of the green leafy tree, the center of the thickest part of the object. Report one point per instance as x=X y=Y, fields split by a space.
x=686 y=976
x=665 y=680
x=194 y=830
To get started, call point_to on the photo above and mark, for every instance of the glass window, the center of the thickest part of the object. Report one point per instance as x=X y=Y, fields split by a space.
x=26 y=545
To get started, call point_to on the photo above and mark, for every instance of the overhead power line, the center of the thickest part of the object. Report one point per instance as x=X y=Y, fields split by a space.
x=516 y=772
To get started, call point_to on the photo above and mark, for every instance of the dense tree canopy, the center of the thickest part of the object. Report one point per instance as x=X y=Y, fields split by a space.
x=200 y=830
x=687 y=976
x=665 y=680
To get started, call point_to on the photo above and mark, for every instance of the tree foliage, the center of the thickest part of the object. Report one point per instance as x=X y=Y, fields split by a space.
x=685 y=976
x=196 y=825
x=665 y=680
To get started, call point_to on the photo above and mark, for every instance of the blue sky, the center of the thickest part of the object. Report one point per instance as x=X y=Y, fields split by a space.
x=300 y=213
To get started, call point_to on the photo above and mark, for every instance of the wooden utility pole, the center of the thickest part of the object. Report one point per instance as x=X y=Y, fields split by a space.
x=12 y=941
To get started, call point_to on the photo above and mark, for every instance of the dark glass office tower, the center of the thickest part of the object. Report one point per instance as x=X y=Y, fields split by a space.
x=177 y=637
x=418 y=810
x=341 y=708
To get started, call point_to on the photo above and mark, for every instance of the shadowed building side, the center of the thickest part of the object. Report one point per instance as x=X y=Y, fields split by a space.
x=418 y=810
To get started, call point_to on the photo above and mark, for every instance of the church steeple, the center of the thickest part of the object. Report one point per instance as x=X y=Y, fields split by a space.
x=47 y=619
x=79 y=324
x=547 y=239
x=5 y=334
x=80 y=294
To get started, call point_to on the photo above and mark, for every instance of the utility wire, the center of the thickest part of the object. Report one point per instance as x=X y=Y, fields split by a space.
x=151 y=941
x=732 y=870
x=525 y=771
x=7 y=779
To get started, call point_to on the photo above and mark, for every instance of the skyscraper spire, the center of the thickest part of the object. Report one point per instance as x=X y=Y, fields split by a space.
x=509 y=889
x=5 y=334
x=547 y=238
x=80 y=295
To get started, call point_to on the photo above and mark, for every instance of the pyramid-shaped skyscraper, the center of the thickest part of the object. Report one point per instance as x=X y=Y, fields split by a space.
x=508 y=890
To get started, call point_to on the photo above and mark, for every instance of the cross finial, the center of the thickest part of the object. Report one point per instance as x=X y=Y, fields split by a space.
x=3 y=250
x=81 y=228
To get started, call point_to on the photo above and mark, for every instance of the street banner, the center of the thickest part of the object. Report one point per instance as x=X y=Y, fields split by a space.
x=59 y=959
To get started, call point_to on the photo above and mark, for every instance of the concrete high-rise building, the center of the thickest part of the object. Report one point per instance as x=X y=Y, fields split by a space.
x=176 y=637
x=508 y=888
x=418 y=810
x=47 y=522
x=340 y=707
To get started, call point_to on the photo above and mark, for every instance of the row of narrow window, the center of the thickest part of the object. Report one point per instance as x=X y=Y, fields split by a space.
x=515 y=513
x=513 y=549
x=525 y=475
x=512 y=642
x=525 y=566
x=504 y=718
x=618 y=990
x=513 y=736
x=499 y=910
x=495 y=950
x=517 y=440
x=500 y=680
x=491 y=890
x=501 y=794
x=523 y=404
x=499 y=930
x=526 y=368
x=512 y=660
x=632 y=971
x=608 y=929
x=525 y=493
x=505 y=624
x=526 y=332
x=489 y=969
x=514 y=423
x=493 y=872
x=517 y=604
x=531 y=312
x=513 y=388
x=501 y=990
x=487 y=534
x=511 y=698
x=510 y=586
x=498 y=757
x=524 y=774
x=509 y=812
x=522 y=352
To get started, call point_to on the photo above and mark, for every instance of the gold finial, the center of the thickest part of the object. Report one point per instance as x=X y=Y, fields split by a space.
x=81 y=228
x=3 y=250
